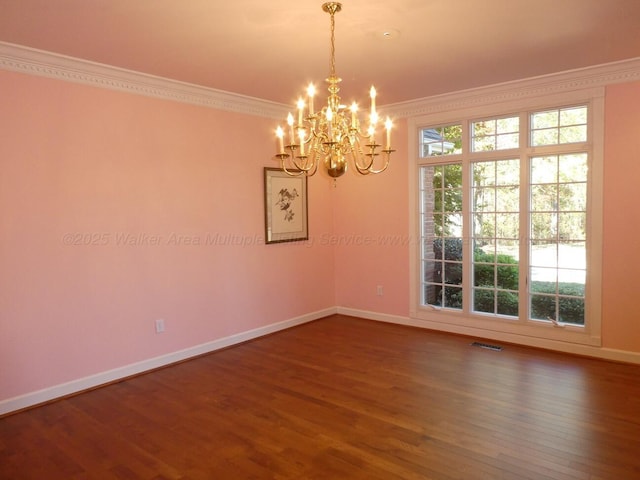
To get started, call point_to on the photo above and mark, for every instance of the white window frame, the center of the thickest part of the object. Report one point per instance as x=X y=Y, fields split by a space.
x=532 y=332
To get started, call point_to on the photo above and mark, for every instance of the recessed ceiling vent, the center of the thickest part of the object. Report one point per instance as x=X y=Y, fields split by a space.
x=495 y=348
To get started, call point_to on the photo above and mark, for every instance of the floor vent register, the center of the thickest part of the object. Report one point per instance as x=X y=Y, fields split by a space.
x=495 y=348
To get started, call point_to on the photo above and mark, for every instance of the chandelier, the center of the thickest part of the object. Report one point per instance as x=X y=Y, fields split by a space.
x=334 y=134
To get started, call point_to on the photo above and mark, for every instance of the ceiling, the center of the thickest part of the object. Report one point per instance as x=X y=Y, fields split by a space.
x=271 y=49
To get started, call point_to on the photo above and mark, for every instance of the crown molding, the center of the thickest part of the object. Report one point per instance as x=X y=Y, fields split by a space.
x=32 y=61
x=18 y=58
x=558 y=83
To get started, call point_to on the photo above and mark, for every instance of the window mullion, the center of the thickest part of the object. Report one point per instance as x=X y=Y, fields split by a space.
x=467 y=257
x=525 y=236
x=525 y=204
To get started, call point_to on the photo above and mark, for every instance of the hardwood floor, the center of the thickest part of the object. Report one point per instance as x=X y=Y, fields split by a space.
x=343 y=398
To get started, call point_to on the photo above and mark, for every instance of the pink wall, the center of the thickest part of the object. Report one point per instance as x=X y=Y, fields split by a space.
x=133 y=179
x=128 y=180
x=372 y=234
x=621 y=259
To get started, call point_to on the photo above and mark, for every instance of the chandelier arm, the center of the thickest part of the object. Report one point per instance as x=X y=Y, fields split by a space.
x=358 y=158
x=301 y=165
x=314 y=123
x=375 y=172
x=313 y=162
x=361 y=170
x=367 y=168
x=300 y=169
x=292 y=174
x=288 y=172
x=384 y=167
x=313 y=170
x=324 y=145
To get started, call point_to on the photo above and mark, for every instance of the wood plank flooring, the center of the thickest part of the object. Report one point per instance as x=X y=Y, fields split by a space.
x=343 y=398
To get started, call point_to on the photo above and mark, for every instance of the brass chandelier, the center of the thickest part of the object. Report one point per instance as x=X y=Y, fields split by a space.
x=333 y=134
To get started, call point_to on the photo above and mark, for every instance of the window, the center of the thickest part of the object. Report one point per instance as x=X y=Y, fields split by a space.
x=442 y=235
x=495 y=134
x=495 y=195
x=563 y=125
x=441 y=140
x=558 y=237
x=505 y=204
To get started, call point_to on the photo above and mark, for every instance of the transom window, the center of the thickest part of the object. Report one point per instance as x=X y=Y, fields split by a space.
x=562 y=125
x=495 y=134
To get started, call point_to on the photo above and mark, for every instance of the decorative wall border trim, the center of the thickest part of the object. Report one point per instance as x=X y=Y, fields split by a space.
x=12 y=405
x=572 y=80
x=31 y=61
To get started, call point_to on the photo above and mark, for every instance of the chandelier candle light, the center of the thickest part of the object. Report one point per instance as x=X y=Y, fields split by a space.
x=334 y=133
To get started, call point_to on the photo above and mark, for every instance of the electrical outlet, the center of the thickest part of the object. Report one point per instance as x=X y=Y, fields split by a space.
x=379 y=290
x=159 y=325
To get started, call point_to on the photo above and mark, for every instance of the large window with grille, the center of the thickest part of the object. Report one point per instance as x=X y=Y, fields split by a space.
x=505 y=203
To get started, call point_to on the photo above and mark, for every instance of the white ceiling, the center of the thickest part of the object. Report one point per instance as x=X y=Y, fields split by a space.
x=271 y=49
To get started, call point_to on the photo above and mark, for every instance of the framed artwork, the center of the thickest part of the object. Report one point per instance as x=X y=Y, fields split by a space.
x=285 y=207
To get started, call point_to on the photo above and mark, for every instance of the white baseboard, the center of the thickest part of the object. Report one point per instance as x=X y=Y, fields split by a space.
x=92 y=381
x=564 y=347
x=57 y=391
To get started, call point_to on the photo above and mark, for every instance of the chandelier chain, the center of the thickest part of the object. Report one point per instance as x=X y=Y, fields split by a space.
x=333 y=45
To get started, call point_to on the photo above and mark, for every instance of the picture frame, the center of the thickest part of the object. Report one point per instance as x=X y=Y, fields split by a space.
x=285 y=206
